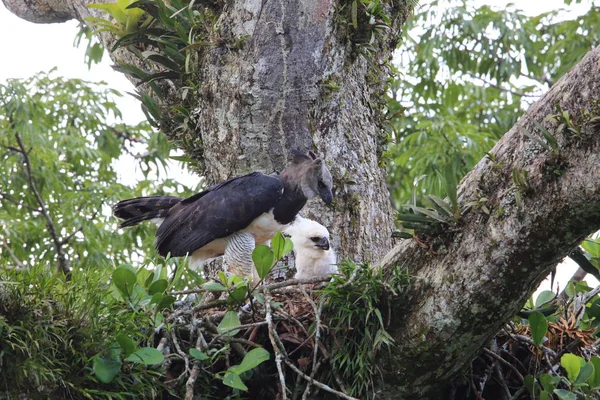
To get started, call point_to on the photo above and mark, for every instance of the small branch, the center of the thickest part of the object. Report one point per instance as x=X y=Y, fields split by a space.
x=276 y=349
x=63 y=264
x=504 y=362
x=317 y=383
x=182 y=354
x=494 y=85
x=191 y=382
x=65 y=239
x=12 y=255
x=527 y=340
x=18 y=203
x=271 y=287
x=317 y=311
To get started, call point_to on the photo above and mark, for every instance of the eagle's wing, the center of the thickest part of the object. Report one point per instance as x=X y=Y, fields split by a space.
x=217 y=212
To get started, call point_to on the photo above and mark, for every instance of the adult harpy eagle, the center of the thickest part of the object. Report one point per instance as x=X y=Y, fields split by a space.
x=314 y=255
x=231 y=217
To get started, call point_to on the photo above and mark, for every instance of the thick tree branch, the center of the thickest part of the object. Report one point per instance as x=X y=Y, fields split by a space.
x=480 y=277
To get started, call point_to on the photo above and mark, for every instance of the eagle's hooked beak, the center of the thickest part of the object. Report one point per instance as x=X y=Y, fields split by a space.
x=321 y=242
x=326 y=195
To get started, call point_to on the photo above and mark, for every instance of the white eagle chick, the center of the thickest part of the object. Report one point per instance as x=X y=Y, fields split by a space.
x=314 y=256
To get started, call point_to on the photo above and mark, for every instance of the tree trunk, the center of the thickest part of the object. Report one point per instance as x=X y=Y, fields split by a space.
x=280 y=90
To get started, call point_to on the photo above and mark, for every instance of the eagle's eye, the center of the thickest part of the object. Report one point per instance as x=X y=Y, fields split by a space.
x=315 y=239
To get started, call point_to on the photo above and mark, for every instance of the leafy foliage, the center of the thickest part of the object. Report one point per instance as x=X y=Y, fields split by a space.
x=72 y=139
x=58 y=337
x=353 y=309
x=466 y=79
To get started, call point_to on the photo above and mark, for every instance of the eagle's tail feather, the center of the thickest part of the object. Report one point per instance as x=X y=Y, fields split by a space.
x=134 y=211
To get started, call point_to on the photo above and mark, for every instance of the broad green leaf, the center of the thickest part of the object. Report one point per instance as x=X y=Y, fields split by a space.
x=595 y=378
x=252 y=359
x=106 y=369
x=565 y=394
x=230 y=320
x=587 y=371
x=544 y=297
x=239 y=292
x=124 y=279
x=146 y=356
x=531 y=385
x=126 y=343
x=166 y=302
x=549 y=382
x=544 y=395
x=572 y=364
x=539 y=327
x=592 y=246
x=233 y=380
x=214 y=287
x=198 y=355
x=281 y=246
x=158 y=286
x=263 y=259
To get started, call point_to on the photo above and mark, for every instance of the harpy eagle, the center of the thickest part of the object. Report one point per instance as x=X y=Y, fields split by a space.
x=232 y=217
x=314 y=256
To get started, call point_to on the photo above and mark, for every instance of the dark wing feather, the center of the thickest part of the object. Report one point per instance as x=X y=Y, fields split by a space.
x=217 y=212
x=134 y=211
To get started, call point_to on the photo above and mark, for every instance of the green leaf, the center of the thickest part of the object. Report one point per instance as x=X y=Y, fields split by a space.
x=572 y=364
x=126 y=344
x=544 y=395
x=146 y=356
x=252 y=359
x=539 y=327
x=239 y=292
x=281 y=246
x=592 y=247
x=263 y=259
x=106 y=369
x=587 y=371
x=124 y=279
x=544 y=297
x=549 y=382
x=230 y=320
x=198 y=355
x=595 y=378
x=158 y=286
x=233 y=380
x=214 y=287
x=565 y=394
x=531 y=385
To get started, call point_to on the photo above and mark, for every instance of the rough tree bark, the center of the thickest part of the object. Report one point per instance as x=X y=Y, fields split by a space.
x=272 y=95
x=472 y=281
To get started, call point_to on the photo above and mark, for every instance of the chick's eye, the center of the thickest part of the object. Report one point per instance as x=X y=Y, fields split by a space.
x=315 y=239
x=321 y=185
